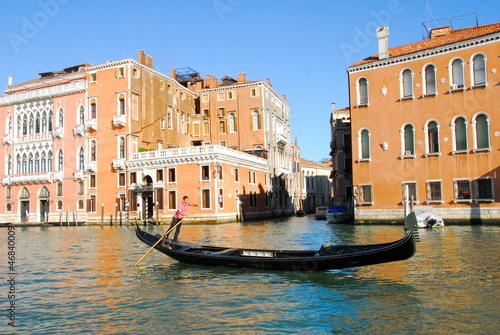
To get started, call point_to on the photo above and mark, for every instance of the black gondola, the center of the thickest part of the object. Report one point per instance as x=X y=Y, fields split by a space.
x=326 y=258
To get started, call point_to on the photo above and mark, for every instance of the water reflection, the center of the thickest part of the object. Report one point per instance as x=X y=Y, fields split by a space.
x=82 y=279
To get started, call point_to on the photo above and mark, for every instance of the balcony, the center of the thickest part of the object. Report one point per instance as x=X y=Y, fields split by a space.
x=91 y=166
x=78 y=175
x=119 y=163
x=58 y=132
x=91 y=124
x=79 y=130
x=34 y=178
x=281 y=139
x=119 y=120
x=7 y=139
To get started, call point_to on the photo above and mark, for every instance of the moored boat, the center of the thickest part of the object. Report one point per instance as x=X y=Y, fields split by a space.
x=427 y=217
x=325 y=258
x=337 y=214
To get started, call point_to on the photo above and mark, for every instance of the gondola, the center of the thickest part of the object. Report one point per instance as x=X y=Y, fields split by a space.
x=327 y=257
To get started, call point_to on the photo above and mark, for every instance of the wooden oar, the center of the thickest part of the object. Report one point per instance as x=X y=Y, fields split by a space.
x=159 y=240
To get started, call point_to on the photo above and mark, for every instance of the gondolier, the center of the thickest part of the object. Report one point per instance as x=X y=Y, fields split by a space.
x=180 y=214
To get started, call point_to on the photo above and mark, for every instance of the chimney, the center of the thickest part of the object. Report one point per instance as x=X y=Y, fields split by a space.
x=333 y=106
x=283 y=97
x=172 y=73
x=149 y=61
x=383 y=42
x=141 y=55
x=268 y=81
x=10 y=81
x=241 y=78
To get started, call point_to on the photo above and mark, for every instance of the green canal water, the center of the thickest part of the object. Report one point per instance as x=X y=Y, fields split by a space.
x=82 y=280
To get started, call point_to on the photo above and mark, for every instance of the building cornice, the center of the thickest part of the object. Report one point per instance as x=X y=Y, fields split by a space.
x=117 y=63
x=44 y=93
x=432 y=52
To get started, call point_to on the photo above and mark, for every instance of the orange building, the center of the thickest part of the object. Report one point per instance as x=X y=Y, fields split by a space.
x=424 y=115
x=119 y=141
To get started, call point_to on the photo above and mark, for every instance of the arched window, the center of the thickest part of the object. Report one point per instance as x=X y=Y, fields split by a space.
x=60 y=120
x=49 y=161
x=44 y=162
x=49 y=120
x=121 y=104
x=430 y=79
x=81 y=115
x=8 y=164
x=37 y=123
x=479 y=70
x=25 y=125
x=44 y=122
x=407 y=83
x=256 y=120
x=409 y=140
x=18 y=164
x=37 y=162
x=60 y=160
x=460 y=134
x=432 y=137
x=93 y=151
x=232 y=122
x=81 y=159
x=364 y=144
x=457 y=74
x=482 y=131
x=30 y=163
x=24 y=162
x=363 y=92
x=122 y=147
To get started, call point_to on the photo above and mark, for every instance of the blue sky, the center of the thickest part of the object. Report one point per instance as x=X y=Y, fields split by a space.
x=304 y=47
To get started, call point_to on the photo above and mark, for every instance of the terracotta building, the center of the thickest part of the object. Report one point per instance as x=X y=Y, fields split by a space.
x=119 y=140
x=424 y=115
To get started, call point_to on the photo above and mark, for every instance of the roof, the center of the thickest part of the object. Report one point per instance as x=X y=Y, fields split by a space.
x=306 y=162
x=457 y=35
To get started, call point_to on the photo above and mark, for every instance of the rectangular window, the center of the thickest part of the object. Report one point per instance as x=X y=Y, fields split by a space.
x=171 y=175
x=222 y=127
x=121 y=179
x=196 y=129
x=434 y=191
x=205 y=199
x=254 y=92
x=222 y=112
x=206 y=128
x=220 y=96
x=9 y=192
x=205 y=98
x=231 y=95
x=92 y=202
x=59 y=189
x=221 y=198
x=135 y=106
x=205 y=172
x=462 y=190
x=93 y=182
x=365 y=194
x=80 y=188
x=172 y=200
x=93 y=77
x=412 y=191
x=133 y=178
x=159 y=175
x=159 y=197
x=484 y=189
x=220 y=170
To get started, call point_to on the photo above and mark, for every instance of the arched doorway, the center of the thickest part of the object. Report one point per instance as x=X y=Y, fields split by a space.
x=147 y=198
x=24 y=204
x=44 y=202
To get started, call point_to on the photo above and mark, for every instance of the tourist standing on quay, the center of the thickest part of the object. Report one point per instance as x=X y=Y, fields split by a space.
x=179 y=215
